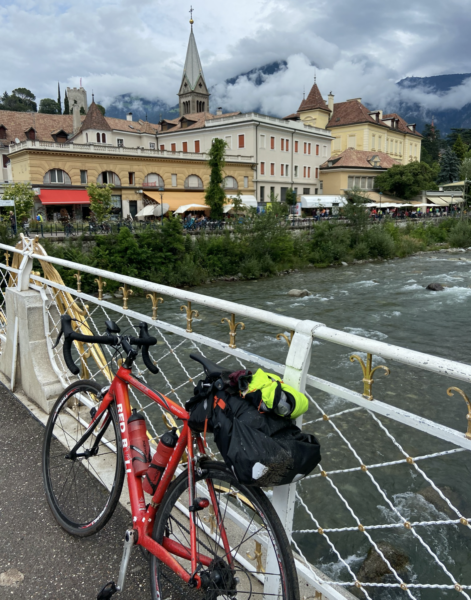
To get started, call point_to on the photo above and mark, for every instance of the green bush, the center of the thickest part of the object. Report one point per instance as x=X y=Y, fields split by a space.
x=460 y=236
x=408 y=245
x=380 y=243
x=361 y=251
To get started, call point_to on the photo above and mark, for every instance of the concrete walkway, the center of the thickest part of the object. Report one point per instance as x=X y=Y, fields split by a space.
x=54 y=564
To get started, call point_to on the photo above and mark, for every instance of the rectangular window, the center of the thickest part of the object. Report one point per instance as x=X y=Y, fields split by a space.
x=246 y=182
x=197 y=145
x=317 y=149
x=304 y=171
x=351 y=182
x=131 y=178
x=242 y=141
x=83 y=177
x=337 y=143
x=352 y=141
x=152 y=145
x=287 y=170
x=305 y=147
x=373 y=142
x=272 y=193
x=228 y=139
x=296 y=146
x=324 y=151
x=185 y=146
x=120 y=142
x=309 y=148
x=287 y=145
x=133 y=208
x=162 y=147
x=174 y=180
x=173 y=147
x=283 y=144
x=272 y=143
x=262 y=193
x=380 y=141
x=370 y=183
x=306 y=191
x=262 y=168
x=282 y=172
x=295 y=170
x=272 y=167
x=309 y=172
x=317 y=173
x=262 y=141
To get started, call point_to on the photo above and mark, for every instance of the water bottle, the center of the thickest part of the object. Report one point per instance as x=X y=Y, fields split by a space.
x=162 y=455
x=139 y=443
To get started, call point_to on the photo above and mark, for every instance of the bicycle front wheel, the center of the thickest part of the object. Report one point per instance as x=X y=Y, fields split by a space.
x=82 y=486
x=255 y=559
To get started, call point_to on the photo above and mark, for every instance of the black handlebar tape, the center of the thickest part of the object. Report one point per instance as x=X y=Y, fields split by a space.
x=67 y=350
x=147 y=360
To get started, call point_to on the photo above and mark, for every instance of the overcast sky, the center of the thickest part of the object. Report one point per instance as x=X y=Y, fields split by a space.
x=360 y=48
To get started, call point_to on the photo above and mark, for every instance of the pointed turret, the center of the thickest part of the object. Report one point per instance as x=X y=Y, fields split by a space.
x=314 y=109
x=95 y=119
x=193 y=94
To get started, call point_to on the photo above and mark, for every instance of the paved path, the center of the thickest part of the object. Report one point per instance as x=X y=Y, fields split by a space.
x=55 y=565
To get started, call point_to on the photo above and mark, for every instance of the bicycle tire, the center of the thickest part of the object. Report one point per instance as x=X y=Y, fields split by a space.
x=93 y=499
x=173 y=524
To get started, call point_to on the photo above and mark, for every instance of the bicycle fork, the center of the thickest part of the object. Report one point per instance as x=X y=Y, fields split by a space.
x=111 y=588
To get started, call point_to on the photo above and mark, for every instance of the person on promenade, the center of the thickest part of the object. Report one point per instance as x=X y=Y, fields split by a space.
x=40 y=220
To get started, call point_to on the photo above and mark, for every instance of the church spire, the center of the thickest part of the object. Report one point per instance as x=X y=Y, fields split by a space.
x=194 y=94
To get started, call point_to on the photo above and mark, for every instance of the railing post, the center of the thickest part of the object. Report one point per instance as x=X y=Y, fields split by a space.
x=284 y=496
x=25 y=268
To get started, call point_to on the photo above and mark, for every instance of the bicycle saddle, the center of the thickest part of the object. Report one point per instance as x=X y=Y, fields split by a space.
x=211 y=369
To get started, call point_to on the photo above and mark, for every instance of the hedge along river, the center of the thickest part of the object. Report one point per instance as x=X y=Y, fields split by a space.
x=386 y=301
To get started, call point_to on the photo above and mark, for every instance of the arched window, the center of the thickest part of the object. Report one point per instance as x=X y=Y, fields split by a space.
x=108 y=177
x=103 y=138
x=56 y=176
x=98 y=137
x=230 y=183
x=193 y=182
x=153 y=180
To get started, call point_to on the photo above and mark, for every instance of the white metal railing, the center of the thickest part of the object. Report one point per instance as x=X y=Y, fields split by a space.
x=108 y=149
x=307 y=522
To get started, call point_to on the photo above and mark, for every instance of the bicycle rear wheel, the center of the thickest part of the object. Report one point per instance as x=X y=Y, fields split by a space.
x=259 y=555
x=82 y=491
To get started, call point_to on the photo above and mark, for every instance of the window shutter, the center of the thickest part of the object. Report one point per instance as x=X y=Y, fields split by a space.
x=242 y=141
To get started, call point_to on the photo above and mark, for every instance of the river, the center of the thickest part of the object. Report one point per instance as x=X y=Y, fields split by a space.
x=384 y=300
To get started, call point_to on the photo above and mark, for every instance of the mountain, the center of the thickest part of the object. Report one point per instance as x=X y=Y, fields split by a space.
x=413 y=112
x=444 y=119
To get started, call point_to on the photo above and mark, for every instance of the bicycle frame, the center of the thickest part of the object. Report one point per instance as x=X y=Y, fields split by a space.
x=143 y=516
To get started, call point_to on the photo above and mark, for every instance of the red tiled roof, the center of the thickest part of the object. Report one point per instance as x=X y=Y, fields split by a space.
x=95 y=119
x=402 y=125
x=359 y=159
x=313 y=101
x=17 y=123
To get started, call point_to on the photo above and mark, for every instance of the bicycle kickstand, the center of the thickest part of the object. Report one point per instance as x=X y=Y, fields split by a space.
x=111 y=588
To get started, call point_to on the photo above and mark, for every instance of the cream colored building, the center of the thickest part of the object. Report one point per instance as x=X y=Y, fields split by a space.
x=353 y=125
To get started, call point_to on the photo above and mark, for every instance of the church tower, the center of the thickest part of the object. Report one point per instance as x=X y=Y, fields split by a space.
x=193 y=94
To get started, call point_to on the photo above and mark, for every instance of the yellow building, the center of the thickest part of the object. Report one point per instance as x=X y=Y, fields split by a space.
x=353 y=125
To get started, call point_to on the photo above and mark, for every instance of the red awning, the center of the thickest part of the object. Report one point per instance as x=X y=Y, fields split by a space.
x=64 y=197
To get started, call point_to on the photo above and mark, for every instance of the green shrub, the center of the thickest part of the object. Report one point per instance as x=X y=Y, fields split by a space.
x=460 y=236
x=408 y=245
x=361 y=251
x=380 y=243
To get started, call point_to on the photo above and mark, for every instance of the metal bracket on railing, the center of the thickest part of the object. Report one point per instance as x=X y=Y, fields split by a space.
x=155 y=304
x=368 y=373
x=189 y=316
x=233 y=329
x=101 y=284
x=126 y=293
x=7 y=258
x=287 y=339
x=257 y=557
x=450 y=391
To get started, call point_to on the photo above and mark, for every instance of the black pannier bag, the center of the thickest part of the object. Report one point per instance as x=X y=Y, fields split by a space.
x=262 y=449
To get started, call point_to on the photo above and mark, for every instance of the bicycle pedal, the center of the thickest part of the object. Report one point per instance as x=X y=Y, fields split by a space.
x=107 y=591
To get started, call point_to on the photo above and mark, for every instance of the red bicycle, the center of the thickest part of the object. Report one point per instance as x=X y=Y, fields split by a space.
x=204 y=533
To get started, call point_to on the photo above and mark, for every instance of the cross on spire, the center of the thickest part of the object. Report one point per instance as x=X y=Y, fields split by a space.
x=191 y=16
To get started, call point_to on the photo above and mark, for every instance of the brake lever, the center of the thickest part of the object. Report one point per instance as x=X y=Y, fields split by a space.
x=58 y=338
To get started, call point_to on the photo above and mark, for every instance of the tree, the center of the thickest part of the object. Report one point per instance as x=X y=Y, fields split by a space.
x=460 y=148
x=100 y=200
x=431 y=144
x=449 y=167
x=407 y=181
x=465 y=135
x=356 y=211
x=237 y=203
x=465 y=171
x=49 y=107
x=291 y=197
x=215 y=195
x=66 y=105
x=59 y=97
x=101 y=108
x=20 y=100
x=23 y=197
x=82 y=111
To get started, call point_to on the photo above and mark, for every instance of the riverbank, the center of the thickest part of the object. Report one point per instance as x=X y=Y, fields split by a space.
x=259 y=248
